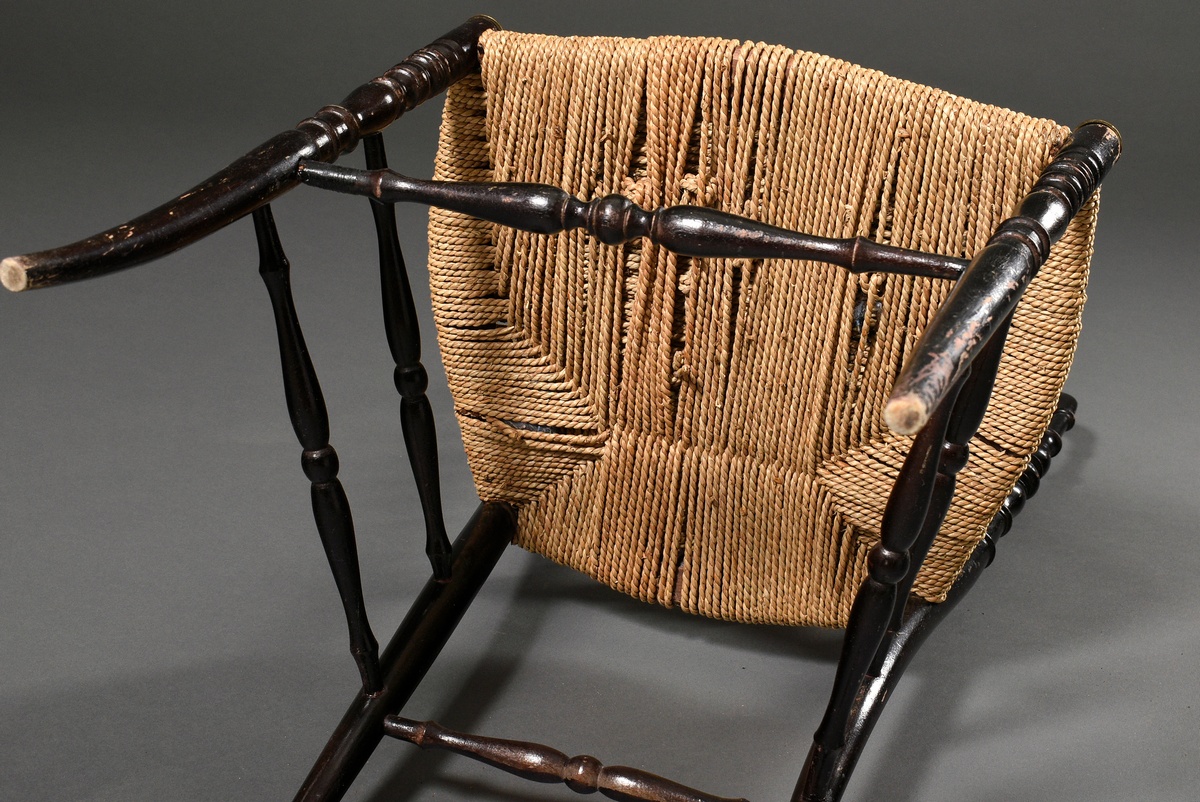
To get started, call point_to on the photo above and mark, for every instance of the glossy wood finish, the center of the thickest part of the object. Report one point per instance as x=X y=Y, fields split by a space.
x=969 y=409
x=262 y=174
x=583 y=774
x=306 y=408
x=918 y=622
x=992 y=285
x=614 y=219
x=865 y=651
x=1039 y=464
x=404 y=341
x=412 y=650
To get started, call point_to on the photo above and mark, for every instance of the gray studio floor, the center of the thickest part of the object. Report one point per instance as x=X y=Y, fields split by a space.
x=168 y=629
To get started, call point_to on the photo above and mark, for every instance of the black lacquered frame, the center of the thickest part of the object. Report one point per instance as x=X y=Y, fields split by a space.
x=940 y=397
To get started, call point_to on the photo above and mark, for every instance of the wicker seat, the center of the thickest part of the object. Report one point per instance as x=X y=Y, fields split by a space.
x=743 y=399
x=721 y=321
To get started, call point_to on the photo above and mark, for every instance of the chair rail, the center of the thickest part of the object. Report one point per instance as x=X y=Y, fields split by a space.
x=614 y=219
x=583 y=774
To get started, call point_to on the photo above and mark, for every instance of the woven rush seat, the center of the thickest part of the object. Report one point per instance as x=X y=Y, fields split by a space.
x=708 y=433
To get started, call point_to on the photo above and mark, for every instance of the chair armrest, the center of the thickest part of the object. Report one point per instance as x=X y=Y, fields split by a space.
x=262 y=174
x=993 y=283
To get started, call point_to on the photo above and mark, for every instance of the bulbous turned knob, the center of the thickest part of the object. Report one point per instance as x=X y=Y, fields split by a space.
x=411 y=380
x=887 y=566
x=320 y=465
x=582 y=773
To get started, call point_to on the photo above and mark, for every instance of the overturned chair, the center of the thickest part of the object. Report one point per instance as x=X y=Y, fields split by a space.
x=660 y=381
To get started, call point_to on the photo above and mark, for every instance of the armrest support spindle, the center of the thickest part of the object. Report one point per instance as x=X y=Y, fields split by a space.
x=928 y=466
x=310 y=420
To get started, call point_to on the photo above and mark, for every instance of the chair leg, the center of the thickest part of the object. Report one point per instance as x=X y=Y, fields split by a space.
x=920 y=619
x=411 y=652
x=826 y=772
x=888 y=564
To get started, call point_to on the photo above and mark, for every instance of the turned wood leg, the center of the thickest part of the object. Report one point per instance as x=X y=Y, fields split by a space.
x=965 y=419
x=918 y=620
x=306 y=407
x=404 y=340
x=921 y=617
x=887 y=565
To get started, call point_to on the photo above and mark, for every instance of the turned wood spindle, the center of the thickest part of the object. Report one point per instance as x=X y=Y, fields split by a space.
x=914 y=514
x=404 y=340
x=919 y=616
x=614 y=219
x=1027 y=486
x=583 y=774
x=306 y=408
x=965 y=418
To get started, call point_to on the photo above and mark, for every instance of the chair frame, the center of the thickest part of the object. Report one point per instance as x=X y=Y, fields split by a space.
x=940 y=397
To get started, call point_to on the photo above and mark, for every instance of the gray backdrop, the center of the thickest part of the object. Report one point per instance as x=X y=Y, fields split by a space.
x=168 y=629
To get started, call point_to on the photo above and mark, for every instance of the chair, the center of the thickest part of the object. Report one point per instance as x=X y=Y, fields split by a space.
x=660 y=381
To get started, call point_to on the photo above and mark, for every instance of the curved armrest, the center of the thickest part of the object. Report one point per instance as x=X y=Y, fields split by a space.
x=996 y=278
x=261 y=175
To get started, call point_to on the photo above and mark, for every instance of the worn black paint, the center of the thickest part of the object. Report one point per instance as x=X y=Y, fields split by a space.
x=888 y=564
x=827 y=770
x=991 y=286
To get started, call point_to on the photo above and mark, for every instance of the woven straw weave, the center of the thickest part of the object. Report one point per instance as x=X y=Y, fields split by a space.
x=707 y=434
